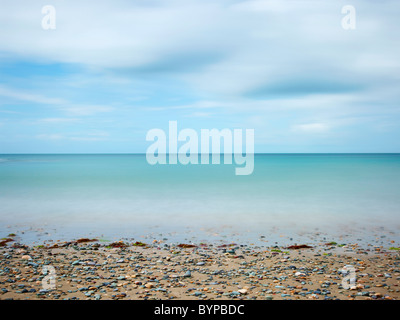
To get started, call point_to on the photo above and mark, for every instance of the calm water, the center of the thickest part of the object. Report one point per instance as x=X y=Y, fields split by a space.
x=116 y=196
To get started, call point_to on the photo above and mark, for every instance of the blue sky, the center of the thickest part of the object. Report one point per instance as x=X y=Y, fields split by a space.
x=110 y=72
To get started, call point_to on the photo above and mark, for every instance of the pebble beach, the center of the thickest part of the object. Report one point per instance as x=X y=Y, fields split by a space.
x=89 y=269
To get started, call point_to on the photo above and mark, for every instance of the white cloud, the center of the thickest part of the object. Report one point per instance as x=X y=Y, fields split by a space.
x=258 y=42
x=286 y=62
x=201 y=104
x=51 y=136
x=312 y=127
x=86 y=110
x=29 y=97
x=57 y=103
x=87 y=138
x=199 y=115
x=90 y=136
x=110 y=33
x=59 y=120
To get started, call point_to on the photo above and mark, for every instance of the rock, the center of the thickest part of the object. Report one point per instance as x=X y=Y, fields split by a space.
x=184 y=245
x=242 y=291
x=26 y=257
x=139 y=244
x=299 y=274
x=296 y=247
x=187 y=274
x=35 y=265
x=83 y=240
x=4 y=242
x=119 y=244
x=149 y=285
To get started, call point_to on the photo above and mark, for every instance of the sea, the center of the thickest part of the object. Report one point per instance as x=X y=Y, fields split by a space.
x=289 y=198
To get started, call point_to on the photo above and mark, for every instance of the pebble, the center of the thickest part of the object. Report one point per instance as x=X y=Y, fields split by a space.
x=161 y=272
x=242 y=291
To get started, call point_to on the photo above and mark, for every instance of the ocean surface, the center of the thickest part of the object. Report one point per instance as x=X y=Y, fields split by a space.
x=114 y=196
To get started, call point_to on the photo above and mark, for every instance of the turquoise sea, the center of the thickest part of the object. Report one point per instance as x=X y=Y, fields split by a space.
x=112 y=196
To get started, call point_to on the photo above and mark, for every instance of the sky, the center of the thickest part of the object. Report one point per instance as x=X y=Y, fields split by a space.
x=111 y=71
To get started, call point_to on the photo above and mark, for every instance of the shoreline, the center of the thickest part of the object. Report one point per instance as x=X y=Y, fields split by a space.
x=272 y=234
x=89 y=269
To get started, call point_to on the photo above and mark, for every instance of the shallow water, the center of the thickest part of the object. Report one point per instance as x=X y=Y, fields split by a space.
x=114 y=196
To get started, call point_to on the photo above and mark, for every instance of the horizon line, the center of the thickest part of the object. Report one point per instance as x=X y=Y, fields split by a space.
x=144 y=153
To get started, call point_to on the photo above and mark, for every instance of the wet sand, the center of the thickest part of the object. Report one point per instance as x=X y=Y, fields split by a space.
x=89 y=269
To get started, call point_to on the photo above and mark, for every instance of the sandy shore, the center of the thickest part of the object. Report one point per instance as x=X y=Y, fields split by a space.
x=89 y=269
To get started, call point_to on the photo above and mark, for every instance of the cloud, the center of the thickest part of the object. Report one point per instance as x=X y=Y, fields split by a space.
x=312 y=127
x=135 y=35
x=199 y=114
x=201 y=104
x=86 y=110
x=52 y=136
x=222 y=63
x=91 y=136
x=28 y=97
x=306 y=86
x=57 y=103
x=59 y=120
x=228 y=48
x=87 y=138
